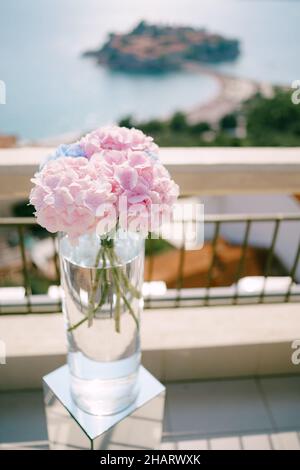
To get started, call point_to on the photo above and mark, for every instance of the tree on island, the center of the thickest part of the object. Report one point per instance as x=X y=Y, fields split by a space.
x=162 y=48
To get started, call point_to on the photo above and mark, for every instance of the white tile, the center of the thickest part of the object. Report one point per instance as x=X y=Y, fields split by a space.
x=201 y=444
x=37 y=445
x=22 y=416
x=256 y=442
x=283 y=398
x=285 y=441
x=167 y=418
x=225 y=443
x=216 y=407
x=168 y=446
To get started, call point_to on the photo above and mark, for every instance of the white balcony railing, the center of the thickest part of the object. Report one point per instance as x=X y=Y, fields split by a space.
x=197 y=170
x=237 y=340
x=223 y=173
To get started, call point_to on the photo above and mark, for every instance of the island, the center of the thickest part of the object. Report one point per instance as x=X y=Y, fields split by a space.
x=159 y=48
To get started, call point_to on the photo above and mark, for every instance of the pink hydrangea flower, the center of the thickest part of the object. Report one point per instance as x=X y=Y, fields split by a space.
x=66 y=195
x=143 y=182
x=116 y=138
x=122 y=182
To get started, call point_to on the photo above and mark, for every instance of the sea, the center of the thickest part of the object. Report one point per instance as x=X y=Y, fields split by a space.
x=52 y=91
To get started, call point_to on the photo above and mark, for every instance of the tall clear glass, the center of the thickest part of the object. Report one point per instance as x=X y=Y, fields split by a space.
x=102 y=284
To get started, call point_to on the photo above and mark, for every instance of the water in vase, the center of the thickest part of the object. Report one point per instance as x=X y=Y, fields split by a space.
x=103 y=349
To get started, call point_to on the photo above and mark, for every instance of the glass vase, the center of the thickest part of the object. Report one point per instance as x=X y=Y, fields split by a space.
x=102 y=283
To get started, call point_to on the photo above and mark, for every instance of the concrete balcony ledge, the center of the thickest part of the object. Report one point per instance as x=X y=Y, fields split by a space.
x=178 y=344
x=197 y=170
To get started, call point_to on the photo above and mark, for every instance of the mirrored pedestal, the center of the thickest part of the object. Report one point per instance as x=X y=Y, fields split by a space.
x=137 y=427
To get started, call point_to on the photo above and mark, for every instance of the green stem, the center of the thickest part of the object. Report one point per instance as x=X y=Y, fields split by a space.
x=99 y=274
x=105 y=286
x=130 y=310
x=118 y=309
x=73 y=327
x=116 y=275
x=125 y=279
x=121 y=282
x=91 y=309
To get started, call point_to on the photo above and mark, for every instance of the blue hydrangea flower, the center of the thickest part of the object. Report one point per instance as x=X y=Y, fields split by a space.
x=65 y=150
x=152 y=155
x=69 y=150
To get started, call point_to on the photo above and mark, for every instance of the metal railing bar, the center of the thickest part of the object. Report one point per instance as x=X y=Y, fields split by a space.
x=201 y=299
x=179 y=282
x=24 y=266
x=32 y=312
x=170 y=296
x=55 y=258
x=150 y=276
x=156 y=300
x=213 y=259
x=229 y=218
x=20 y=224
x=209 y=218
x=56 y=262
x=246 y=295
x=9 y=221
x=270 y=258
x=293 y=273
x=242 y=260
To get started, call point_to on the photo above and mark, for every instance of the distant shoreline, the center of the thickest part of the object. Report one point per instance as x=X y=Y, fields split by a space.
x=233 y=91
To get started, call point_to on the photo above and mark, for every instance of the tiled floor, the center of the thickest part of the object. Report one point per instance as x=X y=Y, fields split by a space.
x=222 y=414
x=233 y=414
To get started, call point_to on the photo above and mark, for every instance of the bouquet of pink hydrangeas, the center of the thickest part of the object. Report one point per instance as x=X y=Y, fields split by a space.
x=111 y=179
